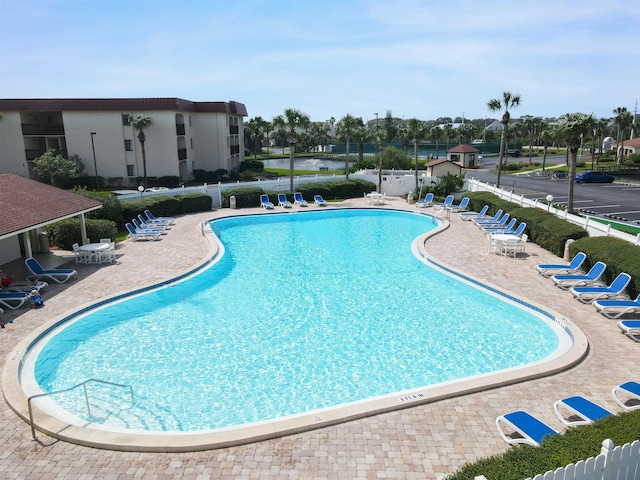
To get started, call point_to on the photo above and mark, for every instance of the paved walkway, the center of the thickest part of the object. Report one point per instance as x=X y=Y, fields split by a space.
x=423 y=442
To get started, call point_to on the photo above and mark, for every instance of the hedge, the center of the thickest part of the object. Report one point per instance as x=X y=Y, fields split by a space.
x=618 y=255
x=65 y=233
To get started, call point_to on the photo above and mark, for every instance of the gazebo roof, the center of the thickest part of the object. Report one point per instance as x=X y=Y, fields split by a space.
x=26 y=204
x=463 y=148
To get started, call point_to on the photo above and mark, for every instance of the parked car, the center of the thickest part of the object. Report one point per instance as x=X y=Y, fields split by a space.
x=592 y=176
x=513 y=153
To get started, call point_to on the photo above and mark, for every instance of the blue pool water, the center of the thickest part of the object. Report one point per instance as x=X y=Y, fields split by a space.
x=303 y=311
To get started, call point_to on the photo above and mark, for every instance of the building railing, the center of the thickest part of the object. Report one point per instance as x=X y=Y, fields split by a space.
x=182 y=154
x=593 y=227
x=42 y=129
x=613 y=463
x=180 y=130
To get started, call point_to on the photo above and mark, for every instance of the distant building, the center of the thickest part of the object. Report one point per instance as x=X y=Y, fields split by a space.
x=495 y=126
x=629 y=147
x=442 y=166
x=183 y=136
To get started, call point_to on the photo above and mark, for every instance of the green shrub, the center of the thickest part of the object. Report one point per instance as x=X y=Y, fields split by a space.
x=571 y=446
x=171 y=181
x=160 y=206
x=580 y=164
x=65 y=233
x=620 y=256
x=245 y=196
x=194 y=202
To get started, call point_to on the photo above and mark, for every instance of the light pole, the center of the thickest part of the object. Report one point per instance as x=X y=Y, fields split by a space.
x=549 y=200
x=95 y=164
x=376 y=132
x=140 y=189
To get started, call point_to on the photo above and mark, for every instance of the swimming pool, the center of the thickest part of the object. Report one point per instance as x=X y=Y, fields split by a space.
x=334 y=309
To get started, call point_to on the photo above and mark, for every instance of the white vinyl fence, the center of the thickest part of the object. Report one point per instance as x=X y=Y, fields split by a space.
x=613 y=463
x=594 y=228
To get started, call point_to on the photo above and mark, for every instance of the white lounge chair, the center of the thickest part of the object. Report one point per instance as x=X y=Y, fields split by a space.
x=283 y=202
x=56 y=275
x=299 y=200
x=265 y=202
x=627 y=395
x=466 y=216
x=528 y=428
x=591 y=278
x=152 y=218
x=631 y=328
x=484 y=218
x=548 y=269
x=583 y=411
x=136 y=235
x=149 y=227
x=615 y=290
x=447 y=203
x=156 y=223
x=13 y=300
x=617 y=308
x=461 y=207
x=426 y=202
x=319 y=201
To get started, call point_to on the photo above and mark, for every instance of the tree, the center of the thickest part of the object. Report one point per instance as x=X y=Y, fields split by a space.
x=532 y=126
x=448 y=132
x=546 y=137
x=389 y=127
x=507 y=102
x=346 y=127
x=381 y=135
x=600 y=128
x=140 y=122
x=572 y=128
x=622 y=119
x=292 y=122
x=436 y=134
x=416 y=131
x=56 y=168
x=360 y=135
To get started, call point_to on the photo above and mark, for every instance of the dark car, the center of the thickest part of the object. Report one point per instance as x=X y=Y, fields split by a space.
x=513 y=153
x=591 y=176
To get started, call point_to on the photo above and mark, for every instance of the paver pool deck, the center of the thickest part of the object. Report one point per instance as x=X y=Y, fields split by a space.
x=421 y=442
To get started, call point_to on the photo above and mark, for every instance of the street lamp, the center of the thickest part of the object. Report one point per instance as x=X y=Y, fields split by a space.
x=140 y=189
x=549 y=200
x=95 y=165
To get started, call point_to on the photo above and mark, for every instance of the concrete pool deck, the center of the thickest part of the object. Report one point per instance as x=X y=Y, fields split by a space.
x=424 y=441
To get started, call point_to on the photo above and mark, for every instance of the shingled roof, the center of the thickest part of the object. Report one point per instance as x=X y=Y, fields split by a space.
x=26 y=204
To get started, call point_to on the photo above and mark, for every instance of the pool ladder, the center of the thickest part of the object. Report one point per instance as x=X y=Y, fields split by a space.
x=208 y=227
x=86 y=397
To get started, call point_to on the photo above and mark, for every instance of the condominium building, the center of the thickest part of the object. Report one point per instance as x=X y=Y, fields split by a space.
x=183 y=136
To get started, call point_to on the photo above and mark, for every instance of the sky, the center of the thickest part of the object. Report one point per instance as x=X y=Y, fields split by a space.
x=328 y=58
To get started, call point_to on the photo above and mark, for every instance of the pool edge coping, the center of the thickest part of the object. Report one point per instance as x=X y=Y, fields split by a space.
x=240 y=435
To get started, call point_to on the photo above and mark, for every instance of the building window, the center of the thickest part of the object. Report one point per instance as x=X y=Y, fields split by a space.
x=191 y=141
x=189 y=120
x=131 y=170
x=128 y=145
x=125 y=119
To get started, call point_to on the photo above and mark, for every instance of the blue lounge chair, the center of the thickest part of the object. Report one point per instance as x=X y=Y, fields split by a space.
x=615 y=290
x=140 y=228
x=264 y=201
x=318 y=200
x=426 y=202
x=146 y=221
x=151 y=217
x=631 y=328
x=530 y=430
x=57 y=275
x=591 y=278
x=466 y=216
x=283 y=202
x=299 y=200
x=152 y=225
x=631 y=390
x=499 y=224
x=461 y=207
x=13 y=300
x=493 y=219
x=518 y=232
x=585 y=410
x=548 y=269
x=136 y=235
x=447 y=202
x=617 y=308
x=503 y=229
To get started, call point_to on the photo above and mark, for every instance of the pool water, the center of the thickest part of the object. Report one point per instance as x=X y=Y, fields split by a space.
x=303 y=311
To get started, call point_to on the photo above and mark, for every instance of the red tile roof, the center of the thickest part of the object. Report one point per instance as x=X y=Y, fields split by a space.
x=27 y=204
x=463 y=148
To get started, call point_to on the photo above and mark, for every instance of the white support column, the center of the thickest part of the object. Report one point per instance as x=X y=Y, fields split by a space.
x=83 y=230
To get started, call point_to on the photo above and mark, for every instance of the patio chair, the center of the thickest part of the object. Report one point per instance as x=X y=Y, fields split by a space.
x=426 y=202
x=617 y=308
x=631 y=328
x=13 y=300
x=615 y=290
x=502 y=223
x=466 y=216
x=157 y=222
x=582 y=411
x=591 y=278
x=627 y=395
x=484 y=218
x=514 y=246
x=503 y=229
x=319 y=201
x=264 y=201
x=283 y=202
x=529 y=429
x=56 y=275
x=549 y=269
x=136 y=235
x=461 y=207
x=81 y=256
x=151 y=217
x=447 y=203
x=144 y=225
x=299 y=200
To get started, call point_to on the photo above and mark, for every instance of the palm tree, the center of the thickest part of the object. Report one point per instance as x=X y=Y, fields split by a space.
x=505 y=103
x=381 y=136
x=600 y=128
x=448 y=133
x=346 y=126
x=532 y=126
x=572 y=128
x=416 y=130
x=360 y=135
x=141 y=121
x=436 y=134
x=546 y=137
x=292 y=121
x=622 y=120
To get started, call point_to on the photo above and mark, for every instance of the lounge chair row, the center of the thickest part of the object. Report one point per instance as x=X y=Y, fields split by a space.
x=285 y=203
x=149 y=227
x=610 y=300
x=572 y=411
x=446 y=205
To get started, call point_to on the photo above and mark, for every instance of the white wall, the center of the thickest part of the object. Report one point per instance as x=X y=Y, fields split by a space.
x=12 y=155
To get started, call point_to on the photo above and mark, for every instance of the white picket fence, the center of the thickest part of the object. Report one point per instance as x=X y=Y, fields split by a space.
x=594 y=228
x=613 y=463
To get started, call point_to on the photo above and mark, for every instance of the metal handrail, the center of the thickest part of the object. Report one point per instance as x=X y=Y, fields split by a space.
x=86 y=396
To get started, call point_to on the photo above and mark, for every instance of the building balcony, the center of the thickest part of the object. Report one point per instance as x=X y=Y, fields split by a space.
x=182 y=154
x=33 y=154
x=180 y=130
x=39 y=129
